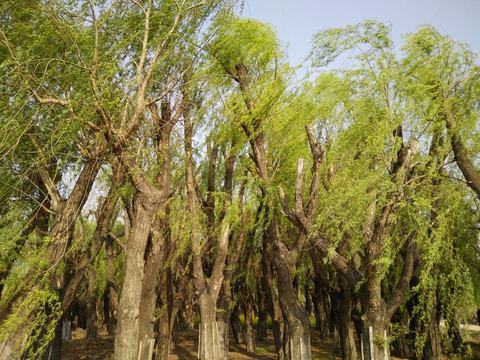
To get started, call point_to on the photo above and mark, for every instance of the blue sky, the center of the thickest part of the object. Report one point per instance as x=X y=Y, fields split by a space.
x=297 y=20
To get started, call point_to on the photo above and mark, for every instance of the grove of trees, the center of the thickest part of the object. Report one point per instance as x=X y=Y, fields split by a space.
x=161 y=161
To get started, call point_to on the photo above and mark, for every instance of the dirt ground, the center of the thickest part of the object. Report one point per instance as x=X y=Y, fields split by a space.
x=186 y=347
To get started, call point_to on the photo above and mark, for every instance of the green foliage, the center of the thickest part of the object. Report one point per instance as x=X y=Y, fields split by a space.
x=246 y=41
x=368 y=37
x=44 y=304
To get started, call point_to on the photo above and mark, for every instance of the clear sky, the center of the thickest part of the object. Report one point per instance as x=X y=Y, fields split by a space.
x=297 y=20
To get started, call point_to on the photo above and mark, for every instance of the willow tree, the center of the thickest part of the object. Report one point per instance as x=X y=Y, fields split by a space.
x=94 y=81
x=443 y=82
x=268 y=112
x=43 y=119
x=381 y=163
x=444 y=75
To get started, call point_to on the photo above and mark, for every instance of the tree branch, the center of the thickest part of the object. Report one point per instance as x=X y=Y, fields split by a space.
x=397 y=295
x=46 y=179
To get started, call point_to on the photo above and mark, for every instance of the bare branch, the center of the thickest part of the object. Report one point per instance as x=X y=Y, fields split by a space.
x=49 y=100
x=118 y=241
x=47 y=180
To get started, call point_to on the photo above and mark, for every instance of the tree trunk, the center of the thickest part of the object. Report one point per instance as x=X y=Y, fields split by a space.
x=61 y=234
x=223 y=316
x=110 y=309
x=111 y=295
x=297 y=334
x=54 y=351
x=92 y=324
x=209 y=341
x=374 y=333
x=236 y=325
x=127 y=332
x=400 y=347
x=185 y=315
x=249 y=331
x=154 y=258
x=272 y=303
x=432 y=350
x=346 y=328
x=164 y=336
x=262 y=311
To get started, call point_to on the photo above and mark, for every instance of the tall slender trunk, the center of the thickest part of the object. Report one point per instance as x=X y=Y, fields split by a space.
x=236 y=325
x=92 y=323
x=346 y=328
x=249 y=331
x=262 y=310
x=271 y=298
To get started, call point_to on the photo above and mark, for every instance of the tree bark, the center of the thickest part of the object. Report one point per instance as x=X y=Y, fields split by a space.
x=262 y=310
x=236 y=325
x=249 y=331
x=346 y=328
x=92 y=324
x=145 y=207
x=271 y=298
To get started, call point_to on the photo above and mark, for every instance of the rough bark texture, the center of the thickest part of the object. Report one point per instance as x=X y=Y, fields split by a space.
x=237 y=326
x=346 y=328
x=249 y=331
x=145 y=207
x=262 y=310
x=92 y=324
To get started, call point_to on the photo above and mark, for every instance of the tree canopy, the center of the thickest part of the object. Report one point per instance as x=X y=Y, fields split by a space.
x=163 y=159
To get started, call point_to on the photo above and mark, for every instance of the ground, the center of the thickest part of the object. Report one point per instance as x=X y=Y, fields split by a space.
x=186 y=347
